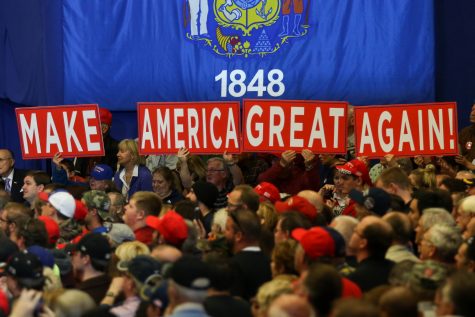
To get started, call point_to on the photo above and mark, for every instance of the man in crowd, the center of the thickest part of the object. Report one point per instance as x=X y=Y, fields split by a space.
x=141 y=205
x=90 y=261
x=34 y=183
x=11 y=178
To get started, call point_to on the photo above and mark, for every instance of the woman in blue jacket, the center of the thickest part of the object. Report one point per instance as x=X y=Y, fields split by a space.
x=132 y=176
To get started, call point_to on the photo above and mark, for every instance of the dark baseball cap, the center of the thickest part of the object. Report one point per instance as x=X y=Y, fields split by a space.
x=95 y=245
x=27 y=269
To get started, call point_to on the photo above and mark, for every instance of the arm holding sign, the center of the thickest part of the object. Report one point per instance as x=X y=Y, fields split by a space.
x=59 y=173
x=234 y=169
x=462 y=160
x=185 y=175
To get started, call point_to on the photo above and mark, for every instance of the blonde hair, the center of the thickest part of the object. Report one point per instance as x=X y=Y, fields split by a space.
x=273 y=289
x=69 y=303
x=129 y=250
x=219 y=218
x=268 y=215
x=131 y=146
x=425 y=178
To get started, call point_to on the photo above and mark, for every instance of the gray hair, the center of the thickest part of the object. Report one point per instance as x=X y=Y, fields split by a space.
x=187 y=294
x=446 y=239
x=345 y=225
x=432 y=216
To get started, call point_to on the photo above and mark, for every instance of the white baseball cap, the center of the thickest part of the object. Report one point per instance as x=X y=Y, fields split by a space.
x=63 y=202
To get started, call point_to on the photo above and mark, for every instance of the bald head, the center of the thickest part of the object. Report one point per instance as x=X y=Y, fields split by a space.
x=290 y=305
x=313 y=197
x=372 y=237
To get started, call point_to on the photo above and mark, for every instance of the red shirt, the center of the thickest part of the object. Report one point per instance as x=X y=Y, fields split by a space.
x=144 y=234
x=350 y=289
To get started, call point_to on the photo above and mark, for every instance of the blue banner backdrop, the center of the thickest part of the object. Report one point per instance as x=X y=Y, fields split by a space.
x=119 y=52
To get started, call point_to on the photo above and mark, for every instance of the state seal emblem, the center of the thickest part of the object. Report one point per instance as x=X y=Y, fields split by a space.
x=245 y=28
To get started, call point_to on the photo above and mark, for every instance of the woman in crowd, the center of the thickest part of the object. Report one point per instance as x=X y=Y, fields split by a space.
x=165 y=185
x=132 y=176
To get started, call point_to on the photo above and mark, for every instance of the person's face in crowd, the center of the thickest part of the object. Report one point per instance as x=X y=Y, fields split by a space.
x=6 y=163
x=131 y=213
x=115 y=210
x=461 y=260
x=426 y=248
x=30 y=189
x=4 y=222
x=160 y=186
x=348 y=182
x=326 y=159
x=279 y=234
x=215 y=173
x=230 y=233
x=124 y=157
x=391 y=189
x=414 y=213
x=191 y=196
x=470 y=230
x=472 y=114
x=78 y=262
x=47 y=210
x=299 y=259
x=338 y=182
x=234 y=201
x=13 y=287
x=419 y=231
x=357 y=241
x=97 y=184
x=462 y=219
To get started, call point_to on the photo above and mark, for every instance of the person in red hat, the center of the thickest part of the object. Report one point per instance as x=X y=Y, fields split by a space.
x=171 y=228
x=111 y=147
x=299 y=204
x=318 y=245
x=267 y=192
x=352 y=175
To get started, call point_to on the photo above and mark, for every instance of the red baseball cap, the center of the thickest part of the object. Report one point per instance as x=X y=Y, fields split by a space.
x=299 y=204
x=267 y=191
x=52 y=228
x=316 y=242
x=171 y=226
x=105 y=115
x=357 y=168
x=43 y=196
x=81 y=210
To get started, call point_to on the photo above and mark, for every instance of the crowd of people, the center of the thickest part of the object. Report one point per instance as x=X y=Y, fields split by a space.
x=295 y=234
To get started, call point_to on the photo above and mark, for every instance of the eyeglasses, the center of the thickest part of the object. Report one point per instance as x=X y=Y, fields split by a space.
x=214 y=171
x=5 y=159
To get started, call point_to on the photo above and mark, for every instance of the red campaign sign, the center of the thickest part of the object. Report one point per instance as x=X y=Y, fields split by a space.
x=280 y=125
x=202 y=127
x=71 y=130
x=406 y=130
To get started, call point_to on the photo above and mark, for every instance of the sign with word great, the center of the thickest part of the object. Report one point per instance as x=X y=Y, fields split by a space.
x=280 y=125
x=406 y=130
x=202 y=127
x=71 y=130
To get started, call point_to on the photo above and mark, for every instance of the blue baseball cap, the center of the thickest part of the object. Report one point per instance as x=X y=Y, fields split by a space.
x=102 y=172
